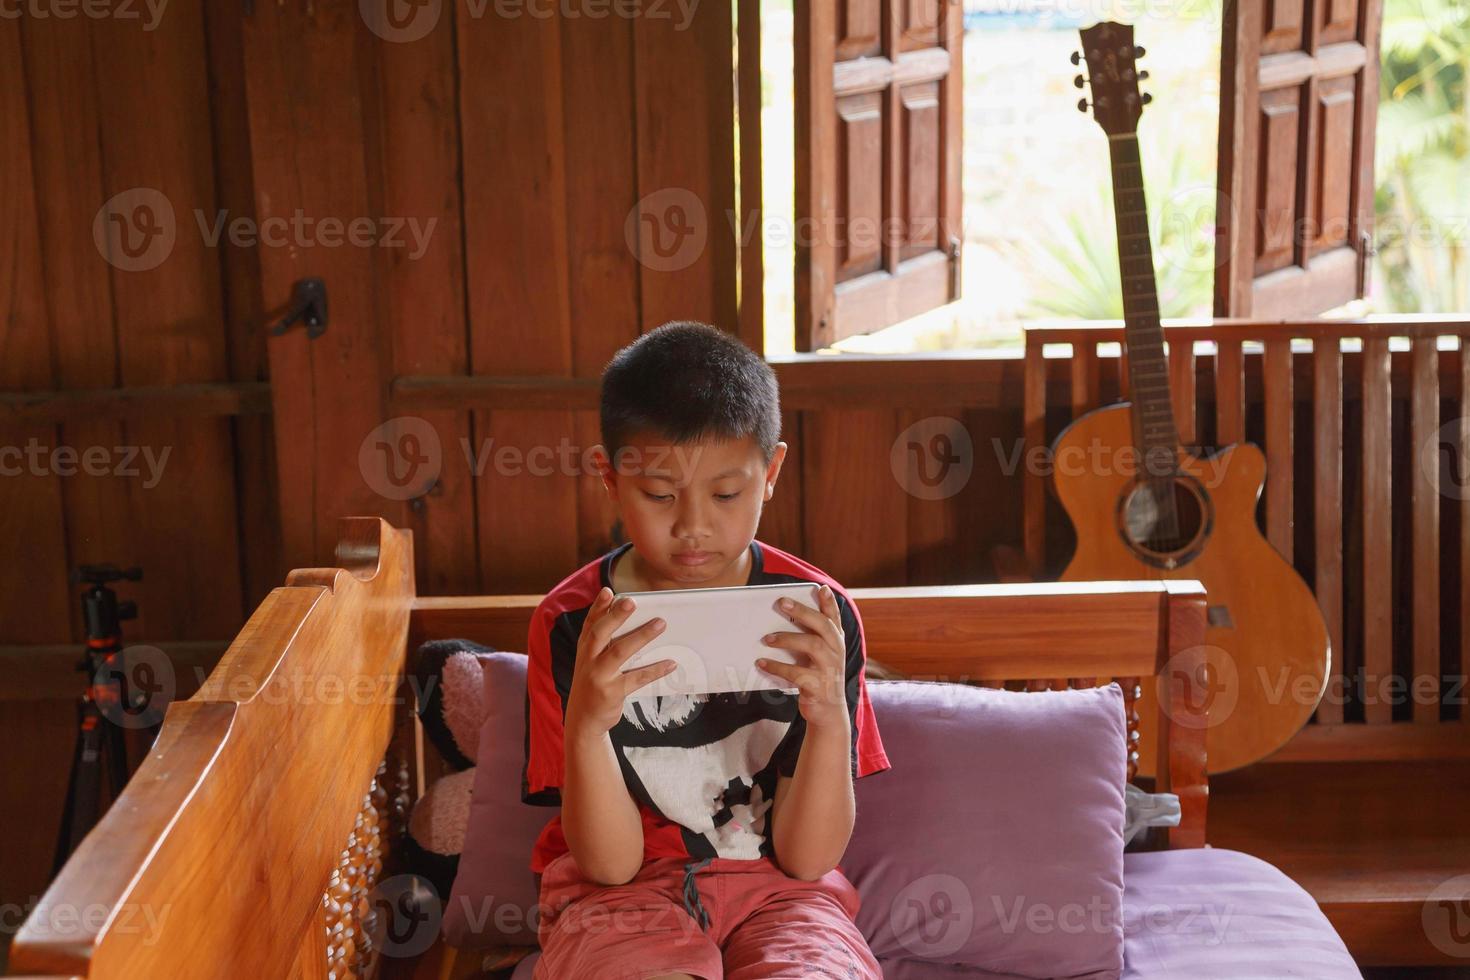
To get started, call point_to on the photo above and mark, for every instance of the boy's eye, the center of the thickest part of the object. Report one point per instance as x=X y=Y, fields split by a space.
x=663 y=497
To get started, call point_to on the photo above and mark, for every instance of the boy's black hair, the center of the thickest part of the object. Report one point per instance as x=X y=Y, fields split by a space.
x=687 y=381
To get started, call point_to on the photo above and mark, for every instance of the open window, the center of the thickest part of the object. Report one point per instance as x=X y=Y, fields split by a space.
x=1298 y=112
x=878 y=90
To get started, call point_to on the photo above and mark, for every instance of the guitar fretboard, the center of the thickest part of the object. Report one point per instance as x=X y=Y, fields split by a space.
x=1148 y=370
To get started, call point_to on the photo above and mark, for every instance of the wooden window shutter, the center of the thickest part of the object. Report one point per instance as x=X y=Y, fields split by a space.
x=1298 y=114
x=878 y=86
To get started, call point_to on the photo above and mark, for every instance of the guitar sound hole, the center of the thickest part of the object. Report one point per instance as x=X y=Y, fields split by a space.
x=1158 y=536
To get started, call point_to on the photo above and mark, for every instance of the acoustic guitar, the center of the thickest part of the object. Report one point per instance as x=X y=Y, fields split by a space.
x=1143 y=507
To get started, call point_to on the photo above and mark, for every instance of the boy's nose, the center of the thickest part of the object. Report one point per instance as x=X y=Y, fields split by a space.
x=692 y=526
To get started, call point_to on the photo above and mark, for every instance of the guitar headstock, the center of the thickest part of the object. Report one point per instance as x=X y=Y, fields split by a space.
x=1112 y=63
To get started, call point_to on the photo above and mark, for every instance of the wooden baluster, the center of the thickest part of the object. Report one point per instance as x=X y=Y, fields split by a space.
x=1280 y=405
x=1181 y=387
x=1424 y=501
x=1132 y=691
x=1229 y=393
x=1033 y=428
x=1327 y=504
x=1462 y=461
x=1086 y=378
x=1377 y=530
x=1086 y=394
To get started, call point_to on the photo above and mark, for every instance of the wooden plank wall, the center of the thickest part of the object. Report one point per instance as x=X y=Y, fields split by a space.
x=92 y=108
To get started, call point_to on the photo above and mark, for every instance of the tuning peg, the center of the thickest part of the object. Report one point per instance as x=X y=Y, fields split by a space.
x=1076 y=57
x=1077 y=81
x=1139 y=51
x=1143 y=75
x=1081 y=105
x=1147 y=98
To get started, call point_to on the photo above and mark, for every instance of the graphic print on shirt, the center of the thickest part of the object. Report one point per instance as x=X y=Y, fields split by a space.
x=711 y=790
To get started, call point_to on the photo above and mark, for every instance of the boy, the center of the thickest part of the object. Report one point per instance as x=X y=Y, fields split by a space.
x=753 y=788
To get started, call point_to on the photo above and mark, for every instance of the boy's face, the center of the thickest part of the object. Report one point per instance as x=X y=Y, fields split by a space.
x=690 y=510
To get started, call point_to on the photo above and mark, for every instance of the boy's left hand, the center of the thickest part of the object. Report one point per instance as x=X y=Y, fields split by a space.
x=822 y=680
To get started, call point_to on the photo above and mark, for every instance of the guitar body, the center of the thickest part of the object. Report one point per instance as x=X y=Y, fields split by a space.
x=1270 y=649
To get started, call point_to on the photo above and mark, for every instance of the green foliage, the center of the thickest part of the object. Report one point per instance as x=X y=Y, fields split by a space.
x=1072 y=259
x=1422 y=164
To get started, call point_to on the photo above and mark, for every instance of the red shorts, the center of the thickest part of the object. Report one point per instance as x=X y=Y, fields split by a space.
x=715 y=918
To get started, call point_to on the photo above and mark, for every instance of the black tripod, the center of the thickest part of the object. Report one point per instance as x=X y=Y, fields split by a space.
x=107 y=707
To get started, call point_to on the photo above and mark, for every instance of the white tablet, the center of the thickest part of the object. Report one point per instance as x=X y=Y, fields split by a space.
x=714 y=636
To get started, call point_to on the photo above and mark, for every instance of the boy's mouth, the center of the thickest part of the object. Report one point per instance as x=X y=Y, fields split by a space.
x=693 y=557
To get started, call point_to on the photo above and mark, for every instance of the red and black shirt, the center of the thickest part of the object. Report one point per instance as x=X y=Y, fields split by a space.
x=701 y=768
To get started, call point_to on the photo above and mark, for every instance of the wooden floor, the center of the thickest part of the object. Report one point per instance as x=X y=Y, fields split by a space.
x=1368 y=840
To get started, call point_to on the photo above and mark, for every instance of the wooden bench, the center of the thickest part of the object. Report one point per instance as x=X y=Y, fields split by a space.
x=250 y=841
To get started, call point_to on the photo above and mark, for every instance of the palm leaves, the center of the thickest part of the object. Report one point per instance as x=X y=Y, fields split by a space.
x=1423 y=156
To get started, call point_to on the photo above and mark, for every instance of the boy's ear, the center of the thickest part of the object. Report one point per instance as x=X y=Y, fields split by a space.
x=774 y=469
x=603 y=465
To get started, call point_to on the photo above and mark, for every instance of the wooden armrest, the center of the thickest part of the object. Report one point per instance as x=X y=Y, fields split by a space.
x=215 y=858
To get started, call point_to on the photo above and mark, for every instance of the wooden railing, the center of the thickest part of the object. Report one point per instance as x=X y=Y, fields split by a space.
x=1331 y=397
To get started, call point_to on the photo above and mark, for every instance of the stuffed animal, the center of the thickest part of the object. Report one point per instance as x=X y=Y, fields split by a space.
x=450 y=692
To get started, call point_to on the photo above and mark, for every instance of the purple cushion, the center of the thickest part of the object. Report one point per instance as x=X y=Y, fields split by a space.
x=1210 y=913
x=996 y=840
x=493 y=900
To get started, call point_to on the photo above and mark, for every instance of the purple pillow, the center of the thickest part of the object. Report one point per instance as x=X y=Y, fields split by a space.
x=996 y=840
x=493 y=900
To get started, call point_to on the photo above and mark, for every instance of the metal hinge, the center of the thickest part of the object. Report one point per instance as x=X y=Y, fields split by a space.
x=1366 y=251
x=954 y=267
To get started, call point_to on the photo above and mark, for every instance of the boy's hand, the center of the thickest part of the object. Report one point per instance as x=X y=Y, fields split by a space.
x=598 y=683
x=822 y=680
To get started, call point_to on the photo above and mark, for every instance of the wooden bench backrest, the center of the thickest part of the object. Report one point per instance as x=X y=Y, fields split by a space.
x=979 y=633
x=1352 y=508
x=214 y=859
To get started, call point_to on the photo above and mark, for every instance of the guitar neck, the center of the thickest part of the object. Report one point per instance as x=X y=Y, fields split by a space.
x=1148 y=371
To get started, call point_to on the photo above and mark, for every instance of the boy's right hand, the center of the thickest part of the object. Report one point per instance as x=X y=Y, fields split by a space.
x=599 y=684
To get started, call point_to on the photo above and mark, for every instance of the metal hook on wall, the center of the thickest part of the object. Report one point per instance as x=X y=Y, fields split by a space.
x=309 y=305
